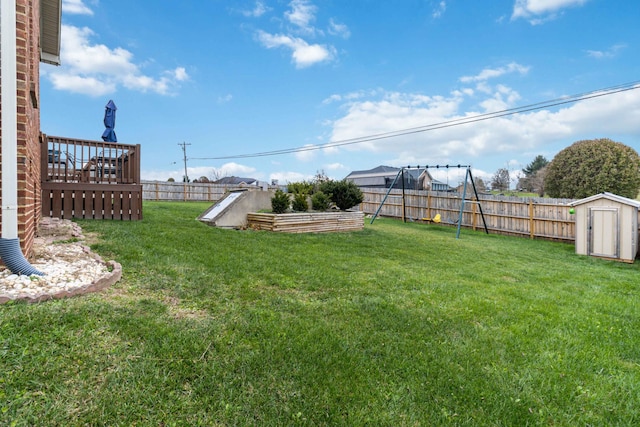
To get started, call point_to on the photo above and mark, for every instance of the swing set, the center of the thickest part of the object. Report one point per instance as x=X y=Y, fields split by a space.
x=437 y=218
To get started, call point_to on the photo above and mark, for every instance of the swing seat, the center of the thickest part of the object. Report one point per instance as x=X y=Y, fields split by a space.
x=436 y=219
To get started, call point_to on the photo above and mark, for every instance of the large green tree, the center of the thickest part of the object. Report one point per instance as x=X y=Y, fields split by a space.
x=593 y=166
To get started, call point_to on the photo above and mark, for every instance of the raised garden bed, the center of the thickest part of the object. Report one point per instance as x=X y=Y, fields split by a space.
x=307 y=222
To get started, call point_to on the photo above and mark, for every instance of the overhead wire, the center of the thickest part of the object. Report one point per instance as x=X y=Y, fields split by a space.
x=440 y=125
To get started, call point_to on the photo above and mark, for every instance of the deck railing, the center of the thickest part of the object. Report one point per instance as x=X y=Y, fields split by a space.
x=90 y=179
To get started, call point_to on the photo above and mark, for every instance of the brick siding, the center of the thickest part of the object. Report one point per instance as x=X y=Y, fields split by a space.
x=28 y=92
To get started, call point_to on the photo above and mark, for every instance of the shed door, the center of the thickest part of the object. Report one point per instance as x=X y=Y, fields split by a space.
x=604 y=232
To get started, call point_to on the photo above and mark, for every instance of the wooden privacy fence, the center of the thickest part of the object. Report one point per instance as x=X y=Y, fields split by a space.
x=90 y=179
x=527 y=217
x=188 y=192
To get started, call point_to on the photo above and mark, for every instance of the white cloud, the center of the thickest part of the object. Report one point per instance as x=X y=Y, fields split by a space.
x=337 y=29
x=307 y=154
x=96 y=70
x=514 y=135
x=439 y=10
x=236 y=169
x=502 y=99
x=259 y=9
x=180 y=74
x=302 y=14
x=76 y=7
x=351 y=96
x=540 y=11
x=335 y=166
x=606 y=54
x=224 y=99
x=303 y=54
x=284 y=178
x=491 y=73
x=80 y=84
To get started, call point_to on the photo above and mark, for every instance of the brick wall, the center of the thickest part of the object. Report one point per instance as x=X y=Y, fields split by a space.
x=28 y=92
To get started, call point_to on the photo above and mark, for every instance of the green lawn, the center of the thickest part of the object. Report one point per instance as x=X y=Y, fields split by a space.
x=396 y=325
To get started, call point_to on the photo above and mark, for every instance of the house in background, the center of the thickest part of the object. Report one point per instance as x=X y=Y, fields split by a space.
x=383 y=177
x=234 y=180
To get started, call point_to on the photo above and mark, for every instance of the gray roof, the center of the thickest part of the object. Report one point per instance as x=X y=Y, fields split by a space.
x=383 y=171
x=234 y=180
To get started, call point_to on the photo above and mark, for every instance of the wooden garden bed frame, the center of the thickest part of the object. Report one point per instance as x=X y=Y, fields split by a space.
x=307 y=222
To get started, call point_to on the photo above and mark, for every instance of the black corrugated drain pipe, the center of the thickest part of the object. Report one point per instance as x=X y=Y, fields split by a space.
x=12 y=257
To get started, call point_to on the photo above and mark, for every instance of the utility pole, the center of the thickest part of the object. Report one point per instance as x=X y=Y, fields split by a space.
x=184 y=151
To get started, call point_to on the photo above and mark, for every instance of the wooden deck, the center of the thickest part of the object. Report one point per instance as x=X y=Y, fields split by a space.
x=90 y=179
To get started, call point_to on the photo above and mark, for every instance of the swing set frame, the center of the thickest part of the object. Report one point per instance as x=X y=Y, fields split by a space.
x=468 y=177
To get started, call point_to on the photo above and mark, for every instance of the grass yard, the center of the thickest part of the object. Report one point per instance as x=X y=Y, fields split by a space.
x=396 y=325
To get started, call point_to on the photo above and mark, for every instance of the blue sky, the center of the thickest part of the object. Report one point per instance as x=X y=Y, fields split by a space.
x=234 y=78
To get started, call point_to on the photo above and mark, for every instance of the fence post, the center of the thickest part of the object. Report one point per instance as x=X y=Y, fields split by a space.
x=531 y=223
x=473 y=214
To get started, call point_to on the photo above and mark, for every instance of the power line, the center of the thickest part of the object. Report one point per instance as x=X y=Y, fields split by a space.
x=441 y=125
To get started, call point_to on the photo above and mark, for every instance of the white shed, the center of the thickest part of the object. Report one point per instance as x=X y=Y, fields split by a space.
x=607 y=226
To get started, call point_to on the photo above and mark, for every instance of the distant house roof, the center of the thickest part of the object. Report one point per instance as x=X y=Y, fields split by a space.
x=234 y=180
x=50 y=23
x=385 y=171
x=382 y=177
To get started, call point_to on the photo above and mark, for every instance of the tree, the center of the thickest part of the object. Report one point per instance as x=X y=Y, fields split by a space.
x=533 y=183
x=532 y=168
x=320 y=201
x=480 y=185
x=500 y=180
x=533 y=179
x=345 y=194
x=593 y=166
x=280 y=202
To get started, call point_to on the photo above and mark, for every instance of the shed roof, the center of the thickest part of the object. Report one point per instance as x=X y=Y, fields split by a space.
x=50 y=23
x=609 y=196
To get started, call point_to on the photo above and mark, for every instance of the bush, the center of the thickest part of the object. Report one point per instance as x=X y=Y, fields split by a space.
x=300 y=187
x=593 y=166
x=300 y=203
x=345 y=194
x=320 y=201
x=280 y=202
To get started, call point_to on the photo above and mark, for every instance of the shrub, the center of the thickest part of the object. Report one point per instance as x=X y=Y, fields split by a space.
x=280 y=202
x=593 y=166
x=300 y=203
x=320 y=201
x=345 y=194
x=303 y=187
